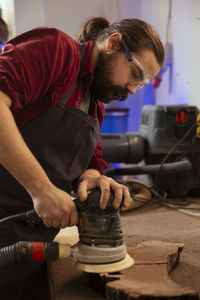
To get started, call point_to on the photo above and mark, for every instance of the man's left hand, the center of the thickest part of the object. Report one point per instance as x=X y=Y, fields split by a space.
x=91 y=179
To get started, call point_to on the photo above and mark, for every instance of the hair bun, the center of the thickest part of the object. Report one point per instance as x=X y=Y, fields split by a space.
x=91 y=28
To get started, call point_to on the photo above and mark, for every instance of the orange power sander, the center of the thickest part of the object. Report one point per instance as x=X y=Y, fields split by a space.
x=100 y=247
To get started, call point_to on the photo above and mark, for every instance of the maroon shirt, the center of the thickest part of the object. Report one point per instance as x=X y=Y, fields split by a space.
x=36 y=70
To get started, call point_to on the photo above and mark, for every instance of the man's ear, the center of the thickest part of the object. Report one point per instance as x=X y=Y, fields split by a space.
x=113 y=42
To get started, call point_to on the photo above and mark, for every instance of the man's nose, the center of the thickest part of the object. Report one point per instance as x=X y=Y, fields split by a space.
x=131 y=89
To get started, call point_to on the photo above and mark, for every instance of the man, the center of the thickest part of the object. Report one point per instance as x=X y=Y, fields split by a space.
x=51 y=110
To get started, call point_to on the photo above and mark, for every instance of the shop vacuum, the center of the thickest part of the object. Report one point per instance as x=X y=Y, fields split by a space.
x=166 y=150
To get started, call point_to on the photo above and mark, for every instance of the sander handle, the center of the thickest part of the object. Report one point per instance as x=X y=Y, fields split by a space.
x=92 y=203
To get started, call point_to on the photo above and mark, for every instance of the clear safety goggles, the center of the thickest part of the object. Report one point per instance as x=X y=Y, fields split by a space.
x=137 y=69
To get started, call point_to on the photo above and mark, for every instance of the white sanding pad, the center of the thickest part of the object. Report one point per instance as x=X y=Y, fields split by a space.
x=121 y=265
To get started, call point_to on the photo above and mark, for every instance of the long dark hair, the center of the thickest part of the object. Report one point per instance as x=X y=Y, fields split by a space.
x=138 y=34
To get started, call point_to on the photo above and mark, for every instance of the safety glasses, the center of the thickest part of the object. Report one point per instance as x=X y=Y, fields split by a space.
x=137 y=68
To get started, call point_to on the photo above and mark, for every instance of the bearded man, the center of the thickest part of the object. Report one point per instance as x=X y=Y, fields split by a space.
x=52 y=90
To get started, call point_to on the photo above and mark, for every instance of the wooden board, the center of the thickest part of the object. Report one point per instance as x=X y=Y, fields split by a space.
x=149 y=276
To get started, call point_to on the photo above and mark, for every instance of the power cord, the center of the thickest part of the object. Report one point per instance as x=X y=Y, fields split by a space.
x=159 y=197
x=29 y=217
x=167 y=202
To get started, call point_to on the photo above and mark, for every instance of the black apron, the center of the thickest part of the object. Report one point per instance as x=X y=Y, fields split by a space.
x=63 y=139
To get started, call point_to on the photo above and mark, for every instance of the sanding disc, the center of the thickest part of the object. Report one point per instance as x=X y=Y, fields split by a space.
x=121 y=265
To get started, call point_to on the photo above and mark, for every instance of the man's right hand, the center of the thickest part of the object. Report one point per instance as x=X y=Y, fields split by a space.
x=55 y=207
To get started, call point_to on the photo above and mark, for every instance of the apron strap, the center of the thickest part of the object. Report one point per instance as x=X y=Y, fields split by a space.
x=68 y=94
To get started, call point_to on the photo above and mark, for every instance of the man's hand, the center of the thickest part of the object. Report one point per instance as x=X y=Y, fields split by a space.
x=56 y=208
x=91 y=179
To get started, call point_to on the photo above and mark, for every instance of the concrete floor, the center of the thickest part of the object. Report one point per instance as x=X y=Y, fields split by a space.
x=156 y=222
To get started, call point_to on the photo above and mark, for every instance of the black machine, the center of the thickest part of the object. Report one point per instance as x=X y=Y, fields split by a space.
x=167 y=148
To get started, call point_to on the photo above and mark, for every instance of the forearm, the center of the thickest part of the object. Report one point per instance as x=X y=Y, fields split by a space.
x=15 y=156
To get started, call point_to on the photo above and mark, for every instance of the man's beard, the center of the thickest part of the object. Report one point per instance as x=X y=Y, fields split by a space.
x=102 y=87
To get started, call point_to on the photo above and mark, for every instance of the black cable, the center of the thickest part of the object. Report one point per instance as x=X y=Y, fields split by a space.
x=161 y=198
x=14 y=218
x=29 y=216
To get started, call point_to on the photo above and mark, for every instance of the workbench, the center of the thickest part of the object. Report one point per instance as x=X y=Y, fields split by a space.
x=156 y=222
